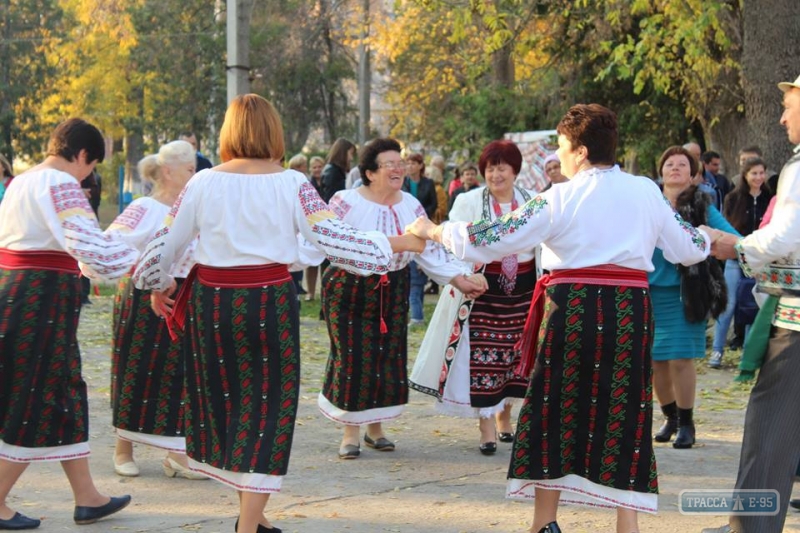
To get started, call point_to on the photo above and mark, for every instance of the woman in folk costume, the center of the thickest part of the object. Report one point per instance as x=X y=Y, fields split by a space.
x=468 y=357
x=366 y=380
x=147 y=392
x=583 y=434
x=46 y=227
x=683 y=300
x=239 y=303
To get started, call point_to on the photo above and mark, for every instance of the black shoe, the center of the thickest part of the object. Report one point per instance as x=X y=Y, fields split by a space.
x=668 y=429
x=685 y=438
x=349 y=451
x=90 y=515
x=488 y=448
x=86 y=301
x=261 y=528
x=552 y=527
x=382 y=444
x=505 y=437
x=795 y=504
x=19 y=522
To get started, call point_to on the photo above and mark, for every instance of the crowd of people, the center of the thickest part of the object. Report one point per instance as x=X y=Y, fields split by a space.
x=578 y=302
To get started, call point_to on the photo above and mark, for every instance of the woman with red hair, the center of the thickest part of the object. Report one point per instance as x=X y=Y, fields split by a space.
x=467 y=358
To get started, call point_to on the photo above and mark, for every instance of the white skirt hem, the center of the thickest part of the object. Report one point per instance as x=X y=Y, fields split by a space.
x=171 y=444
x=357 y=418
x=580 y=491
x=22 y=454
x=247 y=482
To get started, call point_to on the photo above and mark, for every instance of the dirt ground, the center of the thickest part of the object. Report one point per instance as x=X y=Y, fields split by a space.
x=435 y=482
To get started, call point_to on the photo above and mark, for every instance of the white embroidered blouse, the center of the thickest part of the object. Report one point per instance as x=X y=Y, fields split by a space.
x=353 y=208
x=254 y=219
x=46 y=210
x=599 y=217
x=137 y=225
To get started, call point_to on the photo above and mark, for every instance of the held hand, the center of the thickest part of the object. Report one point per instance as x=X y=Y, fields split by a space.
x=480 y=279
x=161 y=303
x=471 y=289
x=422 y=228
x=407 y=243
x=724 y=246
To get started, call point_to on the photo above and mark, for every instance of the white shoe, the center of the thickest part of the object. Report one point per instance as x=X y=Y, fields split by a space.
x=715 y=361
x=129 y=469
x=173 y=468
x=416 y=322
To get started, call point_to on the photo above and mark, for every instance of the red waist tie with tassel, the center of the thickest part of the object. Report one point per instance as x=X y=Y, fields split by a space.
x=611 y=275
x=224 y=277
x=39 y=260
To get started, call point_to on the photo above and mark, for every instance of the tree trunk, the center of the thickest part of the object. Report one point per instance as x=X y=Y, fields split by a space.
x=771 y=49
x=726 y=137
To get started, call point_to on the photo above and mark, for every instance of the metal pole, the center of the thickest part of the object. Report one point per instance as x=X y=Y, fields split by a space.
x=121 y=188
x=364 y=77
x=238 y=39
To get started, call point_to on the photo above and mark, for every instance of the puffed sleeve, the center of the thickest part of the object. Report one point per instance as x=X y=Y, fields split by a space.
x=136 y=223
x=177 y=233
x=782 y=235
x=679 y=240
x=359 y=252
x=74 y=225
x=486 y=241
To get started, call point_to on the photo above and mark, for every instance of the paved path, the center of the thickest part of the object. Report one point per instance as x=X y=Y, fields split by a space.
x=436 y=481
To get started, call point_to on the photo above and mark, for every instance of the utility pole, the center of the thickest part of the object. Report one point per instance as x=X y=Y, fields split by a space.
x=238 y=39
x=364 y=77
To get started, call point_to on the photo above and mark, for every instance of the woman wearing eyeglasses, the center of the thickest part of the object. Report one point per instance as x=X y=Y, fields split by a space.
x=366 y=378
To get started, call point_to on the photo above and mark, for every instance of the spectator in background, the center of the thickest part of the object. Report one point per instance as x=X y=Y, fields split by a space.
x=455 y=183
x=437 y=177
x=437 y=161
x=202 y=162
x=469 y=180
x=316 y=163
x=751 y=151
x=711 y=163
x=334 y=175
x=705 y=181
x=299 y=162
x=92 y=187
x=745 y=208
x=422 y=189
x=552 y=169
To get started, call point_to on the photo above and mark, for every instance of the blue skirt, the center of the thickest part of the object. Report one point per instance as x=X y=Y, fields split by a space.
x=675 y=338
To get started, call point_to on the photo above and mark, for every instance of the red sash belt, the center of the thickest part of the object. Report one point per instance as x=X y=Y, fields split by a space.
x=611 y=275
x=496 y=267
x=39 y=260
x=225 y=277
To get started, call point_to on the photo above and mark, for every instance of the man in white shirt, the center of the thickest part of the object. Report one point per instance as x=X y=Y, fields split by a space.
x=771 y=442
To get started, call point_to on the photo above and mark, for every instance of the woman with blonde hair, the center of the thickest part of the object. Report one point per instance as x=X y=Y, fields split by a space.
x=239 y=303
x=147 y=393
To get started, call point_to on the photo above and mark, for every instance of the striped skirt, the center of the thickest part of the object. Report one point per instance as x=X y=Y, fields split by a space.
x=43 y=401
x=585 y=425
x=242 y=380
x=147 y=373
x=366 y=379
x=495 y=326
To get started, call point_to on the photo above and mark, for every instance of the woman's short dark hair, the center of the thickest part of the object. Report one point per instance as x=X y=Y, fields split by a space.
x=469 y=165
x=414 y=156
x=592 y=126
x=502 y=151
x=337 y=155
x=678 y=150
x=74 y=135
x=368 y=157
